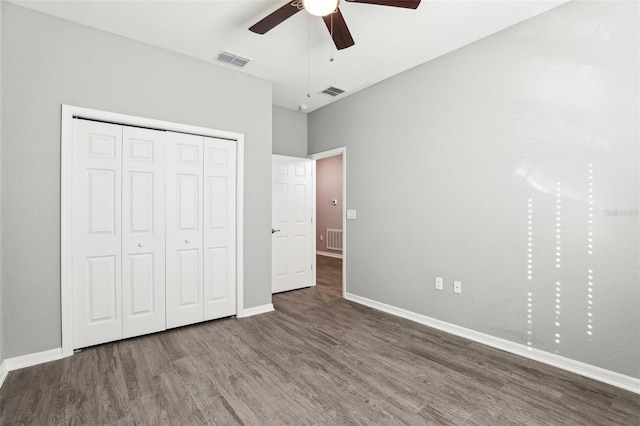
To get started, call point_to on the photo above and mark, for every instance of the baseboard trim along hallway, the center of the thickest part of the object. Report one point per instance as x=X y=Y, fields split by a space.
x=606 y=376
x=257 y=310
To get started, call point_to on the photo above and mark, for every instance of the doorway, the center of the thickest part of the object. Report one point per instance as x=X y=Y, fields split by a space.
x=331 y=235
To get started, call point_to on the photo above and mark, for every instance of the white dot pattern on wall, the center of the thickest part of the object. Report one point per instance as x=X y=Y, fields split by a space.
x=558 y=260
x=590 y=287
x=530 y=271
x=530 y=239
x=558 y=301
x=558 y=225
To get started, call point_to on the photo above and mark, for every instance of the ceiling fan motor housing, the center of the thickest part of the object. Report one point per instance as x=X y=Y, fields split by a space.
x=320 y=7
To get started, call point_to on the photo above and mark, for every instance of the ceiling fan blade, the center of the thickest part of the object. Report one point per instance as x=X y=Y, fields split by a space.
x=408 y=4
x=275 y=18
x=339 y=30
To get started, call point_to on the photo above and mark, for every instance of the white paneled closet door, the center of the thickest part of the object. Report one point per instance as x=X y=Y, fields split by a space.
x=184 y=229
x=143 y=231
x=96 y=241
x=153 y=230
x=219 y=228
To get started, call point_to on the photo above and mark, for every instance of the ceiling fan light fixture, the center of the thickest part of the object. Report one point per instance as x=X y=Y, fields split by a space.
x=320 y=7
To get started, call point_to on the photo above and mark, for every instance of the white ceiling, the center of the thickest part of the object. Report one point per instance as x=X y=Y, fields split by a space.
x=388 y=40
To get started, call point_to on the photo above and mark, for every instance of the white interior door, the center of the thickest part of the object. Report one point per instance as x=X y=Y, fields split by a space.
x=184 y=229
x=219 y=228
x=96 y=233
x=293 y=233
x=143 y=231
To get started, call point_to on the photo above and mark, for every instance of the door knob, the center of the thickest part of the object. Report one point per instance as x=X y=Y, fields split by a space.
x=140 y=244
x=273 y=231
x=187 y=241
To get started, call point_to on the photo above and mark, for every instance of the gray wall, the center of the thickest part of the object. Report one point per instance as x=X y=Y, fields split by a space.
x=445 y=159
x=328 y=188
x=48 y=62
x=289 y=132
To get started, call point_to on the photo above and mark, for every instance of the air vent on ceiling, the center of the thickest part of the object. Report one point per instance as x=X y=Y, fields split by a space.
x=332 y=91
x=232 y=59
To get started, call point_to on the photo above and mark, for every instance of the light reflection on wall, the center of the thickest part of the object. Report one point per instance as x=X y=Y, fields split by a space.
x=590 y=302
x=558 y=224
x=558 y=286
x=529 y=271
x=559 y=193
x=558 y=298
x=590 y=251
x=530 y=239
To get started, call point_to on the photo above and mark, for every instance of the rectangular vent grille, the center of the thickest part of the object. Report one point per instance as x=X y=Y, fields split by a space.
x=332 y=91
x=334 y=239
x=232 y=59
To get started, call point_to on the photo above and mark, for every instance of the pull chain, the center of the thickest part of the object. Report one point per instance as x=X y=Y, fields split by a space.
x=332 y=42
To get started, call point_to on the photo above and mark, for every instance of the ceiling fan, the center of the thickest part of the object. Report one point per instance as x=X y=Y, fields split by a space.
x=330 y=13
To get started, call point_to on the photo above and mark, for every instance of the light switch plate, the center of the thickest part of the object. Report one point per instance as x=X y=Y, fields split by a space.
x=457 y=287
x=439 y=282
x=351 y=214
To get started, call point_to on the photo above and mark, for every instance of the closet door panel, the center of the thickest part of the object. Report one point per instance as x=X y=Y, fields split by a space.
x=96 y=233
x=219 y=228
x=185 y=300
x=143 y=236
x=188 y=278
x=102 y=287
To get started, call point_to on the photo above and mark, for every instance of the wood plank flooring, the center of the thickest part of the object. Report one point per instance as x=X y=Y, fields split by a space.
x=317 y=360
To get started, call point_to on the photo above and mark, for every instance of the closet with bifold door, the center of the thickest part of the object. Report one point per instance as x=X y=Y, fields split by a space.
x=153 y=230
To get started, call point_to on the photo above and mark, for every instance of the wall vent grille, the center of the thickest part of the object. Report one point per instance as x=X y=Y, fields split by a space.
x=232 y=59
x=334 y=239
x=332 y=91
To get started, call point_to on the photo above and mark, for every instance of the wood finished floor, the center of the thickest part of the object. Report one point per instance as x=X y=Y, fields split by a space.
x=317 y=360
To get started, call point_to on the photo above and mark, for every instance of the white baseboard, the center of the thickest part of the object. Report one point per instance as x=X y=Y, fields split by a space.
x=328 y=254
x=256 y=310
x=28 y=360
x=3 y=372
x=606 y=376
x=32 y=359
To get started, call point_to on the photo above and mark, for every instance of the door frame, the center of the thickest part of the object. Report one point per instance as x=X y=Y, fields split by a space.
x=326 y=154
x=66 y=162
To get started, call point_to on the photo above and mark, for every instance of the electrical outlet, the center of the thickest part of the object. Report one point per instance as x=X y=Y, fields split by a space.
x=439 y=283
x=321 y=237
x=457 y=287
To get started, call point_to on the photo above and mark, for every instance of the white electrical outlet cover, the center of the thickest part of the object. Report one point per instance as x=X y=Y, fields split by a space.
x=457 y=287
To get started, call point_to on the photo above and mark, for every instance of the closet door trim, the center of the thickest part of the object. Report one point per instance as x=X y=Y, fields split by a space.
x=70 y=112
